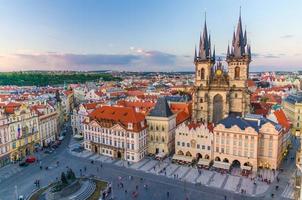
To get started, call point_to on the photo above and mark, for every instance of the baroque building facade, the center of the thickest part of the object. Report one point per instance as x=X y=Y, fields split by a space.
x=117 y=132
x=218 y=92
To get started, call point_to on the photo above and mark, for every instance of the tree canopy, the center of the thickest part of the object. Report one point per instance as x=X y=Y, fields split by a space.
x=51 y=78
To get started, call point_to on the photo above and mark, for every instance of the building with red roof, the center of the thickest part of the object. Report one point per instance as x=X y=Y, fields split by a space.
x=118 y=132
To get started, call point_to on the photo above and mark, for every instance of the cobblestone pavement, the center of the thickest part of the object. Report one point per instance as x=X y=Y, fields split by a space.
x=161 y=177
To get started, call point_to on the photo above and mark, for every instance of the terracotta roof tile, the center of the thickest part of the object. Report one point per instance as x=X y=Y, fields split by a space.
x=119 y=115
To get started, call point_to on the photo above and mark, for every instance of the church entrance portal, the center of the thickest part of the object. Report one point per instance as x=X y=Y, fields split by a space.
x=217 y=108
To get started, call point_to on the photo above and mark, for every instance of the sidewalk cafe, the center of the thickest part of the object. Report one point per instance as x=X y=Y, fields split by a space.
x=203 y=163
x=246 y=170
x=181 y=159
x=222 y=166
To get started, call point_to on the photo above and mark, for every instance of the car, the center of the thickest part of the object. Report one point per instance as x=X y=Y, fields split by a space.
x=21 y=197
x=54 y=146
x=30 y=159
x=61 y=138
x=77 y=149
x=23 y=164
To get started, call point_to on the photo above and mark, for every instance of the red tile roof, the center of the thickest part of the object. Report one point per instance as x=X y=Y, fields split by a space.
x=119 y=115
x=93 y=105
x=187 y=107
x=282 y=119
x=181 y=117
x=251 y=83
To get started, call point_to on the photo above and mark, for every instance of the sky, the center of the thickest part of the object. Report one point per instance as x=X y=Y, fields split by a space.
x=143 y=35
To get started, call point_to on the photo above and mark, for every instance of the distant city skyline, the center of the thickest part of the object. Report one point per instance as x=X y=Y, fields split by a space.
x=143 y=35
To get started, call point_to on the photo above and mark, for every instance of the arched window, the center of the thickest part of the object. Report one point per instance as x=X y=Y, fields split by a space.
x=237 y=72
x=236 y=95
x=202 y=74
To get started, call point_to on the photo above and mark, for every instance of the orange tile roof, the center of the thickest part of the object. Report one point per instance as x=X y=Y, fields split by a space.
x=282 y=119
x=187 y=107
x=93 y=105
x=119 y=115
x=181 y=117
x=143 y=105
x=251 y=83
x=134 y=93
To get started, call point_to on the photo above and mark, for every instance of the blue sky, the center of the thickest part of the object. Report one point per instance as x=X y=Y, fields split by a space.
x=143 y=35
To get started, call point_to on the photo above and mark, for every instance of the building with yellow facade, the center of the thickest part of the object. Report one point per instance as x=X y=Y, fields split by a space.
x=293 y=109
x=23 y=129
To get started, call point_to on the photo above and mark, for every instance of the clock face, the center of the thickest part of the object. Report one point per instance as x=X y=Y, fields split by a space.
x=218 y=72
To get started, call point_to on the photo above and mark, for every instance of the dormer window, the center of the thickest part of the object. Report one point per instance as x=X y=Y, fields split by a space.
x=130 y=126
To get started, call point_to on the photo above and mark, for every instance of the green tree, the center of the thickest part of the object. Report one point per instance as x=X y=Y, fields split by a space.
x=63 y=178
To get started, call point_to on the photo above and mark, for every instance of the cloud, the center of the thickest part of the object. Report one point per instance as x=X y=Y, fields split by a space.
x=137 y=59
x=287 y=36
x=267 y=55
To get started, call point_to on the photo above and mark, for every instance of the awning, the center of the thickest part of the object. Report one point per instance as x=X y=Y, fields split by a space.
x=221 y=165
x=182 y=158
x=78 y=136
x=160 y=155
x=246 y=167
x=205 y=162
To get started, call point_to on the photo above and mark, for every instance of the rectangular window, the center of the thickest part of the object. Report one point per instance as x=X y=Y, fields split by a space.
x=203 y=147
x=198 y=146
x=178 y=143
x=217 y=149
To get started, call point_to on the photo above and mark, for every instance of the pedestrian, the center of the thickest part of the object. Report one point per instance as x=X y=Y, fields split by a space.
x=125 y=191
x=85 y=169
x=168 y=194
x=136 y=187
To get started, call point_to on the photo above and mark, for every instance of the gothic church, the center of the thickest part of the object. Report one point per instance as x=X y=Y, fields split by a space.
x=219 y=92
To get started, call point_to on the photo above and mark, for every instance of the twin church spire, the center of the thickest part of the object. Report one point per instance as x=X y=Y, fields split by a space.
x=204 y=51
x=240 y=47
